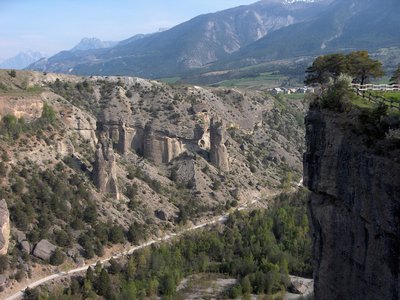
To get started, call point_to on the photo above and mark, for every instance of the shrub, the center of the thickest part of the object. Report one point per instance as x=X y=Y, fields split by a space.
x=131 y=191
x=48 y=116
x=3 y=263
x=116 y=234
x=57 y=258
x=338 y=95
x=128 y=94
x=12 y=73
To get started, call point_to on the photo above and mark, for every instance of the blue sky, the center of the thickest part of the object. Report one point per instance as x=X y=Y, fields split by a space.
x=49 y=26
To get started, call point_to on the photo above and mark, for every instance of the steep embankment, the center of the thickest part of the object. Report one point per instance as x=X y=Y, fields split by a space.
x=355 y=205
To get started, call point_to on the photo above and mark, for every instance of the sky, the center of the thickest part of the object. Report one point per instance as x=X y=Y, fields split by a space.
x=49 y=26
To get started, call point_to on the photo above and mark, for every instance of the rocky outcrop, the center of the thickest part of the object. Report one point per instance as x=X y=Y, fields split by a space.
x=202 y=128
x=299 y=285
x=80 y=122
x=25 y=247
x=44 y=249
x=354 y=210
x=125 y=138
x=4 y=227
x=104 y=169
x=65 y=148
x=29 y=109
x=218 y=150
x=160 y=148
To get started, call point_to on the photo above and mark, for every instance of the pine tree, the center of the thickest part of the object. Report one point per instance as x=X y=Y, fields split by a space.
x=103 y=283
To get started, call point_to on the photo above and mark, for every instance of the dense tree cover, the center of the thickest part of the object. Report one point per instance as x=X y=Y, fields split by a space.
x=357 y=64
x=259 y=248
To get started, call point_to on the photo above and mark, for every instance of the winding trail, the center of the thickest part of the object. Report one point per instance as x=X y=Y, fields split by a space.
x=215 y=220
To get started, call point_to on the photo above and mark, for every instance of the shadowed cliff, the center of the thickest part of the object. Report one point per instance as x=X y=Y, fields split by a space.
x=352 y=168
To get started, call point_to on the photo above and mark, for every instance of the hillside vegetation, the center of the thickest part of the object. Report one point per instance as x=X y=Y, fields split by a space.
x=259 y=249
x=91 y=164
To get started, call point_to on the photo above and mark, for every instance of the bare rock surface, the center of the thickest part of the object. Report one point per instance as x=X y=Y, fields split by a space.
x=3 y=280
x=218 y=150
x=44 y=249
x=354 y=210
x=104 y=169
x=4 y=227
x=26 y=247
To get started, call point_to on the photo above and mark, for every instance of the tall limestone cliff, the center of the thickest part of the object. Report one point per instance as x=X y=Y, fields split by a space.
x=160 y=148
x=104 y=169
x=218 y=150
x=4 y=227
x=354 y=208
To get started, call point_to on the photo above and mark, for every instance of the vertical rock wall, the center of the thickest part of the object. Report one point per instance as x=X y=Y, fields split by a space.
x=354 y=211
x=104 y=169
x=160 y=149
x=218 y=150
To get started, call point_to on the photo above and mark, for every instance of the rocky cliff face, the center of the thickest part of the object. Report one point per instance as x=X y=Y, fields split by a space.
x=4 y=227
x=354 y=210
x=160 y=149
x=104 y=169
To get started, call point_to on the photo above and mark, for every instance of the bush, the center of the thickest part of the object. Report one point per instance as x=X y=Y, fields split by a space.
x=12 y=73
x=128 y=94
x=372 y=123
x=338 y=95
x=57 y=258
x=131 y=191
x=48 y=116
x=116 y=234
x=3 y=263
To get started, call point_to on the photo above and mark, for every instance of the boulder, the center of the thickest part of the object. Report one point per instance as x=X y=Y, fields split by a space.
x=44 y=249
x=4 y=227
x=80 y=261
x=298 y=287
x=26 y=247
x=19 y=235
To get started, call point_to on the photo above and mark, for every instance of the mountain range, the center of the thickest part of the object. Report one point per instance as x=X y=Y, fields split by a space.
x=21 y=60
x=344 y=26
x=264 y=31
